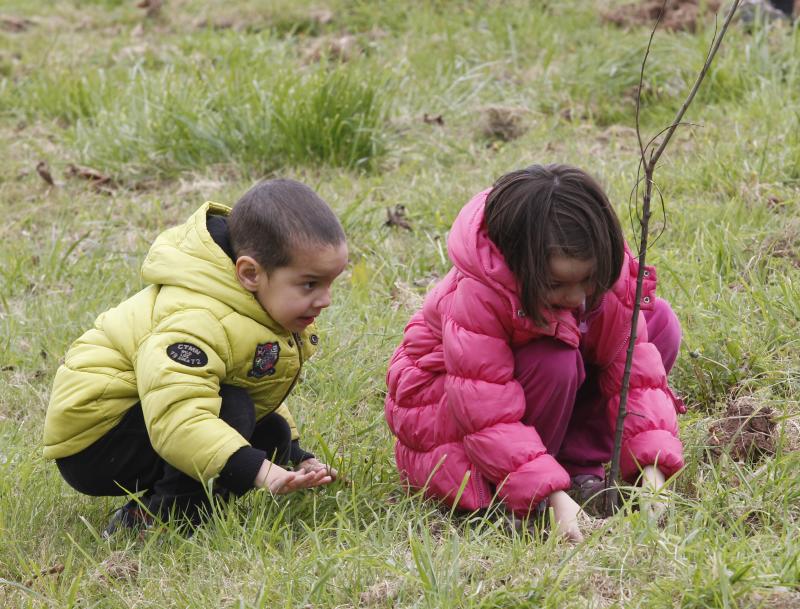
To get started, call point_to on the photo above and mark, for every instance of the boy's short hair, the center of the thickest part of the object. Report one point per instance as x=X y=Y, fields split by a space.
x=275 y=216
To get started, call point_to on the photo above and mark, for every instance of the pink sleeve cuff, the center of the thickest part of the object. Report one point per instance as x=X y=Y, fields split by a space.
x=656 y=447
x=523 y=489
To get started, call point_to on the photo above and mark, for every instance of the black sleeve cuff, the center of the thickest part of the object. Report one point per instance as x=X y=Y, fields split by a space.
x=297 y=454
x=239 y=473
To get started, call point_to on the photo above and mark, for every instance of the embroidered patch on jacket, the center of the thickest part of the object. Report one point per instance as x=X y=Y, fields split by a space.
x=187 y=354
x=264 y=360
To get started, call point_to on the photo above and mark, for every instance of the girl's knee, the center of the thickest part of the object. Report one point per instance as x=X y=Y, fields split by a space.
x=664 y=331
x=548 y=361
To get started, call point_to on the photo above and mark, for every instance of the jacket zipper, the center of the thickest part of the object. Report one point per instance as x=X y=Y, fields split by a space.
x=621 y=346
x=299 y=368
x=478 y=481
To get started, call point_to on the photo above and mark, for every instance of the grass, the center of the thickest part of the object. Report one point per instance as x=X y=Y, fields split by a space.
x=134 y=123
x=201 y=101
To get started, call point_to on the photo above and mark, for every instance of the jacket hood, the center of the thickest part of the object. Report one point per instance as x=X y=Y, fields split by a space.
x=476 y=256
x=473 y=253
x=187 y=256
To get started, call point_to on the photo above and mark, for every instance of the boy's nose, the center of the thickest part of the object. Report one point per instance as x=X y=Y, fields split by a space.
x=324 y=299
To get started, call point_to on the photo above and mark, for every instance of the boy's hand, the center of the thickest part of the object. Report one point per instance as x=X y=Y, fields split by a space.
x=566 y=513
x=652 y=481
x=280 y=481
x=314 y=465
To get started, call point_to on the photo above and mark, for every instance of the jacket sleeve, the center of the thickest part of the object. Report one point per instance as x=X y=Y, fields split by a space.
x=650 y=433
x=487 y=403
x=180 y=396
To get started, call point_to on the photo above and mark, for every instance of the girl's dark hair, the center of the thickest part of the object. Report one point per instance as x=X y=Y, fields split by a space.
x=275 y=216
x=546 y=210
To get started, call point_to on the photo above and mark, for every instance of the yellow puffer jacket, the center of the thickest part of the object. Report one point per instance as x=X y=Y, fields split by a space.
x=171 y=346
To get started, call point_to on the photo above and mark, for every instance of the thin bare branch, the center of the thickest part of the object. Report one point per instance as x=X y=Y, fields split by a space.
x=696 y=86
x=641 y=75
x=653 y=139
x=649 y=164
x=663 y=214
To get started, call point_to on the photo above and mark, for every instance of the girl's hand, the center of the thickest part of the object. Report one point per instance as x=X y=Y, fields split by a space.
x=566 y=513
x=652 y=481
x=280 y=481
x=314 y=465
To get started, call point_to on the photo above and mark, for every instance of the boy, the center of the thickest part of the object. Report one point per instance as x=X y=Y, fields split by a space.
x=185 y=381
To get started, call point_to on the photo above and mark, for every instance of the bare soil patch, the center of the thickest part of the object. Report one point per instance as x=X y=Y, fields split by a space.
x=786 y=243
x=678 y=14
x=504 y=123
x=118 y=566
x=747 y=431
x=336 y=48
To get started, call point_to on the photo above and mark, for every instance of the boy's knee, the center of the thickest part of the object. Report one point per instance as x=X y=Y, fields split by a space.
x=237 y=409
x=274 y=436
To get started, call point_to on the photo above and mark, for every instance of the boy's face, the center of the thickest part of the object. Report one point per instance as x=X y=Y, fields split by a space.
x=294 y=295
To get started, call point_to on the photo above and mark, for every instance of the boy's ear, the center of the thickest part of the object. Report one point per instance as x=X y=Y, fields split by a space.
x=249 y=272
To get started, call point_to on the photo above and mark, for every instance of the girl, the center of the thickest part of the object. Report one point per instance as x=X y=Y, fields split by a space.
x=508 y=379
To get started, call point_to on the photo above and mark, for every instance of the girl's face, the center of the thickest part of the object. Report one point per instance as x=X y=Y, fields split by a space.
x=571 y=282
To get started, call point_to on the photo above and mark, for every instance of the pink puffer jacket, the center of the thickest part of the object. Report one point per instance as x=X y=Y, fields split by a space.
x=454 y=404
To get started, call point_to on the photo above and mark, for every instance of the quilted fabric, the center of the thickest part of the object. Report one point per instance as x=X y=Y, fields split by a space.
x=453 y=402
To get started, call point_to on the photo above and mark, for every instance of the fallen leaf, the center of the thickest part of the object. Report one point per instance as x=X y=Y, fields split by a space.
x=342 y=48
x=397 y=217
x=433 y=120
x=54 y=570
x=152 y=7
x=44 y=172
x=322 y=16
x=99 y=181
x=774 y=202
x=15 y=24
x=117 y=566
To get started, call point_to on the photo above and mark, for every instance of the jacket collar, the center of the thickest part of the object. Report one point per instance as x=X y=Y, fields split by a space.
x=187 y=256
x=476 y=256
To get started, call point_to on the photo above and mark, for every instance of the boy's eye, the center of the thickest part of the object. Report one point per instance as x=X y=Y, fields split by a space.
x=310 y=285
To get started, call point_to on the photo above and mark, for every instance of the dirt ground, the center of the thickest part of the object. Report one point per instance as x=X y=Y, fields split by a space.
x=748 y=431
x=678 y=14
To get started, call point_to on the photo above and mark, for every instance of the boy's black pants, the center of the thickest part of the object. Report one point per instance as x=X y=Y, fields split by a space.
x=124 y=460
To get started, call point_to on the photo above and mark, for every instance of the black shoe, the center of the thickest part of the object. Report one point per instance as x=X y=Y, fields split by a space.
x=131 y=516
x=587 y=491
